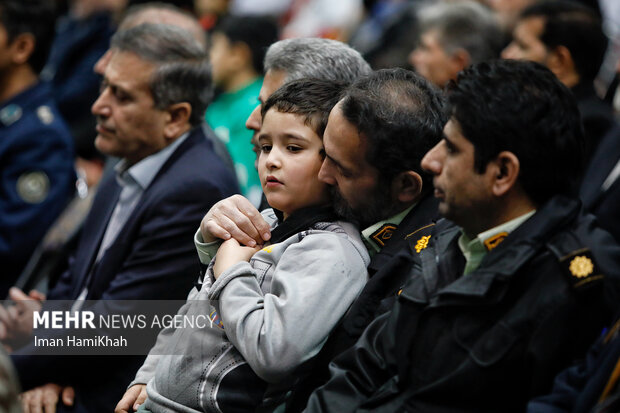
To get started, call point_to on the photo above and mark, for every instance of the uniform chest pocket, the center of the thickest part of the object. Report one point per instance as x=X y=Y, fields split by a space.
x=487 y=343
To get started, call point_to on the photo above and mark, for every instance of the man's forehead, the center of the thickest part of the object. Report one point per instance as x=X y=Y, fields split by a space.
x=128 y=67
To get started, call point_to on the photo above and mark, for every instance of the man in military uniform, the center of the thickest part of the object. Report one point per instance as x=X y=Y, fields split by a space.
x=514 y=285
x=36 y=151
x=375 y=139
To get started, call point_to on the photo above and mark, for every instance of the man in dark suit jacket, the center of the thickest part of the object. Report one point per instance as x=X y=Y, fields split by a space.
x=600 y=187
x=137 y=239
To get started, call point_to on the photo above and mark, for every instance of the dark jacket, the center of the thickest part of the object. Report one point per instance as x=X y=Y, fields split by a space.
x=152 y=258
x=37 y=177
x=604 y=204
x=578 y=388
x=489 y=340
x=388 y=271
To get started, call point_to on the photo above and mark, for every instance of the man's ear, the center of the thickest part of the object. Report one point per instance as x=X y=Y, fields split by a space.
x=177 y=121
x=560 y=62
x=406 y=187
x=504 y=172
x=460 y=59
x=22 y=47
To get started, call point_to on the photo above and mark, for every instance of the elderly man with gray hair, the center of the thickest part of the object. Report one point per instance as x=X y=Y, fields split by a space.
x=452 y=36
x=136 y=242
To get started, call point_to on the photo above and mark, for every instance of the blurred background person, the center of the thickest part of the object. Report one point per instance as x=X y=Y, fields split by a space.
x=238 y=46
x=567 y=37
x=452 y=36
x=36 y=149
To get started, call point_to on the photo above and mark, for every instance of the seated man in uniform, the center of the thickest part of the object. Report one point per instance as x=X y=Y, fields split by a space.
x=36 y=150
x=514 y=284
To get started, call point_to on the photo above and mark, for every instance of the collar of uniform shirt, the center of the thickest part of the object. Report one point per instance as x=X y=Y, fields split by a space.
x=474 y=250
x=395 y=220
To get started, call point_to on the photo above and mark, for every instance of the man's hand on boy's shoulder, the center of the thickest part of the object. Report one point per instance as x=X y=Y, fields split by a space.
x=235 y=217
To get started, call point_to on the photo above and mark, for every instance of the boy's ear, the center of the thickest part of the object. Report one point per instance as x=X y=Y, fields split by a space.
x=178 y=120
x=406 y=187
x=22 y=47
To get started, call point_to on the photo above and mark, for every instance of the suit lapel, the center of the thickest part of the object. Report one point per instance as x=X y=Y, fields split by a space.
x=602 y=163
x=94 y=228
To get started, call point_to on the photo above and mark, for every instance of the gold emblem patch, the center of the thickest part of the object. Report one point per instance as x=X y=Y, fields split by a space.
x=581 y=266
x=422 y=243
x=33 y=187
x=383 y=234
x=268 y=249
x=495 y=240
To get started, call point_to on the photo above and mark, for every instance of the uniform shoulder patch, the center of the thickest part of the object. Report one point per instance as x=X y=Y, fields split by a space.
x=33 y=186
x=581 y=268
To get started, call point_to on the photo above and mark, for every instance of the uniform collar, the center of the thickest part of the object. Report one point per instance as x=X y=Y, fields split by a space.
x=376 y=236
x=475 y=249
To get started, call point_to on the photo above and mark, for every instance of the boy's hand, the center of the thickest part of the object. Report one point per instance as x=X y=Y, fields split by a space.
x=230 y=253
x=132 y=399
x=235 y=217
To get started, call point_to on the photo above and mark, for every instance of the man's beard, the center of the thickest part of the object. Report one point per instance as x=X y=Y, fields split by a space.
x=377 y=205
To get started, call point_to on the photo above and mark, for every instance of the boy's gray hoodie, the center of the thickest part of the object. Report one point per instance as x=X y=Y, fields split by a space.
x=269 y=317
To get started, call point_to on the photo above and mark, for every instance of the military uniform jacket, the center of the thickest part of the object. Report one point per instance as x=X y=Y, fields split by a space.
x=490 y=340
x=37 y=175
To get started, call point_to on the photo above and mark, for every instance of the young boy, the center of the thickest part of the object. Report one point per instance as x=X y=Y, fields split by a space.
x=271 y=310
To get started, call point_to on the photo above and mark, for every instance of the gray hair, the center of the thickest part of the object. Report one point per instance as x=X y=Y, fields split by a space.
x=316 y=58
x=157 y=12
x=463 y=25
x=182 y=72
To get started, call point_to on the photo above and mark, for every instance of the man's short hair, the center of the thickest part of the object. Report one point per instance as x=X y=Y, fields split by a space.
x=316 y=58
x=310 y=98
x=576 y=27
x=521 y=107
x=400 y=115
x=257 y=32
x=182 y=72
x=36 y=17
x=463 y=25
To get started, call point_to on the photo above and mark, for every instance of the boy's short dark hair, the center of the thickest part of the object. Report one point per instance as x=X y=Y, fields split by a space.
x=257 y=32
x=36 y=17
x=311 y=98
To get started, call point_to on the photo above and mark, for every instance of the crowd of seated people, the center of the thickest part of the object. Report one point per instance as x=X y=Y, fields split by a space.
x=438 y=234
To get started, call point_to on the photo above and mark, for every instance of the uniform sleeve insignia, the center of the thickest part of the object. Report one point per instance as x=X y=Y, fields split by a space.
x=45 y=114
x=10 y=114
x=581 y=268
x=268 y=249
x=383 y=234
x=492 y=242
x=33 y=187
x=422 y=243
